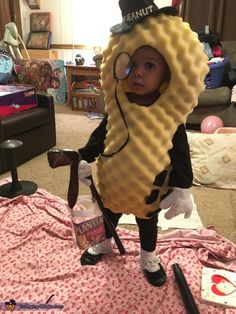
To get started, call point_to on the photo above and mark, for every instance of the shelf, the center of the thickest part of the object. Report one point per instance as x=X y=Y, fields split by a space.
x=40 y=54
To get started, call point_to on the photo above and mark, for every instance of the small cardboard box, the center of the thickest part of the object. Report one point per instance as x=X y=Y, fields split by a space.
x=15 y=98
x=219 y=286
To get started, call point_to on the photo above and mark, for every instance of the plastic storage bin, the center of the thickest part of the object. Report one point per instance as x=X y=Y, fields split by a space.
x=214 y=78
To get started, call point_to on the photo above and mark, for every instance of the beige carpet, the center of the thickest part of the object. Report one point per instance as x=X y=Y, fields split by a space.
x=216 y=207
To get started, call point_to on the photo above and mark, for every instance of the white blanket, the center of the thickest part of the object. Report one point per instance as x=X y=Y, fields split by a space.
x=179 y=222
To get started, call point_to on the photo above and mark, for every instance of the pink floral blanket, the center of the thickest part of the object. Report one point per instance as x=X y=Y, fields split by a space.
x=40 y=269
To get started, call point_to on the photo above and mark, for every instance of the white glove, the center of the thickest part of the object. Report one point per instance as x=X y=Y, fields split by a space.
x=178 y=202
x=84 y=171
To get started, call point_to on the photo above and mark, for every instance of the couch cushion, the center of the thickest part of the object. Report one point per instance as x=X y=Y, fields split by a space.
x=24 y=121
x=215 y=97
x=229 y=48
x=213 y=159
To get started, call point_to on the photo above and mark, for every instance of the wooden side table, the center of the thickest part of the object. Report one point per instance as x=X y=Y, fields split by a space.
x=83 y=72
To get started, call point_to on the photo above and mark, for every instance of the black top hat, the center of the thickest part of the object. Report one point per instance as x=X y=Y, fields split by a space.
x=135 y=11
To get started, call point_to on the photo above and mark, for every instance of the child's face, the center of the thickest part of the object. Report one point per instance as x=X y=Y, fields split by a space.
x=148 y=71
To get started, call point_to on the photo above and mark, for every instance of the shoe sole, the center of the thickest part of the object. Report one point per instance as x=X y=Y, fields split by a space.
x=90 y=259
x=157 y=278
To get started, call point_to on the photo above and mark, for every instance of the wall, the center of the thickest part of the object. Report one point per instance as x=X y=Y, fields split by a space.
x=61 y=14
x=67 y=32
x=61 y=26
x=219 y=15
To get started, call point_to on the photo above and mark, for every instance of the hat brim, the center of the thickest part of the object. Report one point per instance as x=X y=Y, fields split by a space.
x=124 y=27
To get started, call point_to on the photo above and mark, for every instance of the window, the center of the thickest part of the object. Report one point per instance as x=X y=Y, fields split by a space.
x=92 y=19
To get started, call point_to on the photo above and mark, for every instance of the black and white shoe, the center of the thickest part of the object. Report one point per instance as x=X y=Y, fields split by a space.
x=93 y=255
x=154 y=272
x=90 y=259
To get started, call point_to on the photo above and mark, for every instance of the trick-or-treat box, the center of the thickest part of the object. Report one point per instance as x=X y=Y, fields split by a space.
x=15 y=98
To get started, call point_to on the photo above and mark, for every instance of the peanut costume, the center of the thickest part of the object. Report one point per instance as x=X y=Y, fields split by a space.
x=141 y=145
x=126 y=179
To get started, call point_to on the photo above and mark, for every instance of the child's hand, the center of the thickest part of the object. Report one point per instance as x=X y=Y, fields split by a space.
x=84 y=172
x=179 y=201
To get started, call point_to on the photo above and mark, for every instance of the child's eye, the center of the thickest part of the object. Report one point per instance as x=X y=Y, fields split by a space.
x=149 y=65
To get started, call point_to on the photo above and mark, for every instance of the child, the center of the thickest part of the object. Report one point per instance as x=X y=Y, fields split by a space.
x=139 y=162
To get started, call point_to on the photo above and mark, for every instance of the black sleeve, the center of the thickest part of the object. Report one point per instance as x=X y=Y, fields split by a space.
x=182 y=174
x=95 y=145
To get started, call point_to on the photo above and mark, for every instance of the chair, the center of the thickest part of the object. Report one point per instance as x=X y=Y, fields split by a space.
x=34 y=127
x=85 y=95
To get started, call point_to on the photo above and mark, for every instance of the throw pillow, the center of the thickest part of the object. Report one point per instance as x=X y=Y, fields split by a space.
x=213 y=159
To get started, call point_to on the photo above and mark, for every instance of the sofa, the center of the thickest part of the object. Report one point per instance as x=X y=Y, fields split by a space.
x=35 y=127
x=218 y=101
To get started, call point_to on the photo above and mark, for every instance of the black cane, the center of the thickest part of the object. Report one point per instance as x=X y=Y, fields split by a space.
x=106 y=217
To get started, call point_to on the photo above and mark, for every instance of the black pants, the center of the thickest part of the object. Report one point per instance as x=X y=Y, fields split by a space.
x=147 y=230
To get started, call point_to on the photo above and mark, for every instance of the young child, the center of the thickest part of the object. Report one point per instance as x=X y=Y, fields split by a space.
x=142 y=156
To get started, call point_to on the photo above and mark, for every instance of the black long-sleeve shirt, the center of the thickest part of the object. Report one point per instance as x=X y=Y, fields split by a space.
x=181 y=174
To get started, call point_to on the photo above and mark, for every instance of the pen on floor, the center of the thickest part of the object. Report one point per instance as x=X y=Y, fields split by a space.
x=49 y=299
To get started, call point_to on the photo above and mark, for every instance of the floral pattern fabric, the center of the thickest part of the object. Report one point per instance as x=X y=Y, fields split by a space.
x=48 y=76
x=40 y=264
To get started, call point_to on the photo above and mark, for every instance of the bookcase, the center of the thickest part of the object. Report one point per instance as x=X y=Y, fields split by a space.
x=76 y=98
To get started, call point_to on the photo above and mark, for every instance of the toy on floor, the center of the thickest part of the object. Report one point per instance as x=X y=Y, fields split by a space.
x=185 y=291
x=210 y=124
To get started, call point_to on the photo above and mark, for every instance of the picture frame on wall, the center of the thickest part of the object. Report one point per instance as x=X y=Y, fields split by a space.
x=41 y=22
x=39 y=40
x=34 y=4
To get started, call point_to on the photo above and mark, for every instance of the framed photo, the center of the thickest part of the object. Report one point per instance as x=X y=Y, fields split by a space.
x=40 y=22
x=34 y=4
x=39 y=40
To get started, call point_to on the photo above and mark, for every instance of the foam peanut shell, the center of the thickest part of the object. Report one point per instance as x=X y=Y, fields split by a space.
x=126 y=179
